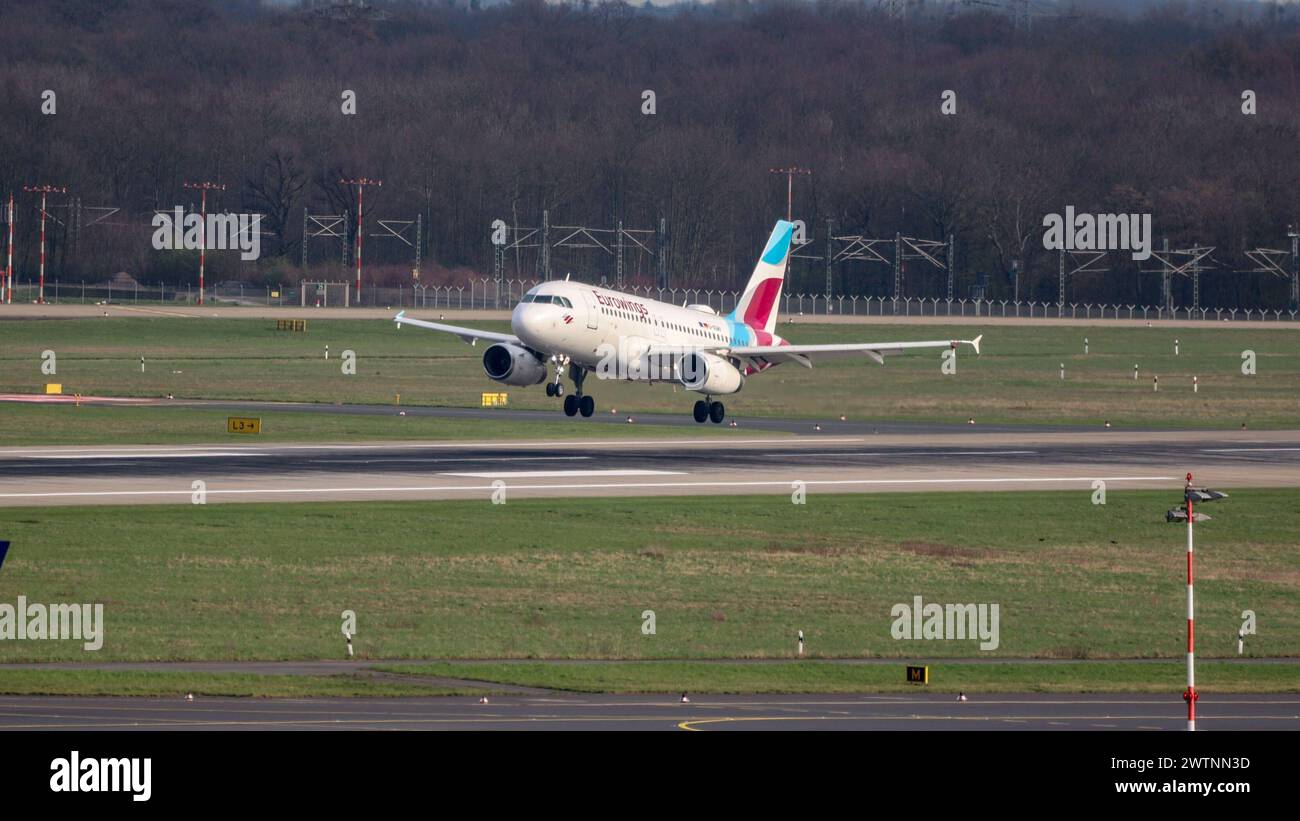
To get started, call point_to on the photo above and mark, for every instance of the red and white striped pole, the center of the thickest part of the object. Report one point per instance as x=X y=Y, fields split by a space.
x=41 y=298
x=360 y=183
x=9 y=264
x=1190 y=696
x=204 y=188
x=43 y=190
x=203 y=239
x=360 y=235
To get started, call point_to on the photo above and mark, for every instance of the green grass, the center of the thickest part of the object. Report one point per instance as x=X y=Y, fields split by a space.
x=665 y=677
x=163 y=684
x=102 y=425
x=727 y=577
x=1016 y=380
x=828 y=677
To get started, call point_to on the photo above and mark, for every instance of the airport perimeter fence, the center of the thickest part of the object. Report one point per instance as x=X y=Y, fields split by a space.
x=486 y=294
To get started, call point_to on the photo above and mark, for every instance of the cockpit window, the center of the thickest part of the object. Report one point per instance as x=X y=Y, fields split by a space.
x=547 y=299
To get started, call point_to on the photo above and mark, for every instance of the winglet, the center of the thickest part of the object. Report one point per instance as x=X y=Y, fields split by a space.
x=398 y=318
x=975 y=343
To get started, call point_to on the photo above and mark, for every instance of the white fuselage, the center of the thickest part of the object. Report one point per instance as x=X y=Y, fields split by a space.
x=585 y=323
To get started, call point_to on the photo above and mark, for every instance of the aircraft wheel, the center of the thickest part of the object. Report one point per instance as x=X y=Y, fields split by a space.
x=550 y=389
x=570 y=406
x=587 y=405
x=701 y=411
x=717 y=412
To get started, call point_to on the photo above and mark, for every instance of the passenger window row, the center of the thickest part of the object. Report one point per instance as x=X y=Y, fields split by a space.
x=670 y=325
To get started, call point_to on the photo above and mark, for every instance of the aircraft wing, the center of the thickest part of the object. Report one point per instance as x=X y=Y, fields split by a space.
x=470 y=335
x=806 y=354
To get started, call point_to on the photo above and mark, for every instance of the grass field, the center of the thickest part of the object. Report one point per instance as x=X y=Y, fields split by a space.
x=1017 y=378
x=103 y=425
x=163 y=684
x=725 y=577
x=808 y=676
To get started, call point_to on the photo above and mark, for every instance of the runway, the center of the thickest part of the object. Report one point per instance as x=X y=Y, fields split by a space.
x=938 y=460
x=664 y=713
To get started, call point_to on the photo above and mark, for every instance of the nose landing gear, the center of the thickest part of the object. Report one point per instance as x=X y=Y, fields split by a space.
x=556 y=388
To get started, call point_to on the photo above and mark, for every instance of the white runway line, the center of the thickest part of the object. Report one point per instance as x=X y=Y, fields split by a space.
x=541 y=443
x=904 y=453
x=1246 y=450
x=140 y=455
x=562 y=474
x=783 y=484
x=420 y=460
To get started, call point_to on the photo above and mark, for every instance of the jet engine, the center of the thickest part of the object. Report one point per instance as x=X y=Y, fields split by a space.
x=709 y=374
x=513 y=365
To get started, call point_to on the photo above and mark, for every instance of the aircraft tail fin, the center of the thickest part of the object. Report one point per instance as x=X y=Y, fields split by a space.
x=757 y=307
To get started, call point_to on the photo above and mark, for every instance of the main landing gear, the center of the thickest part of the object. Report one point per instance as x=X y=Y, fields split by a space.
x=708 y=409
x=577 y=402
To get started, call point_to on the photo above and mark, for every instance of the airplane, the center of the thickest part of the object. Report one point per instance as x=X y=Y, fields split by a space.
x=587 y=329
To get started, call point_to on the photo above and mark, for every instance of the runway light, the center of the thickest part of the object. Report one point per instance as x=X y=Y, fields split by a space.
x=961 y=696
x=843 y=418
x=1108 y=423
x=817 y=427
x=483 y=700
x=970 y=421
x=685 y=699
x=189 y=696
x=630 y=420
x=733 y=423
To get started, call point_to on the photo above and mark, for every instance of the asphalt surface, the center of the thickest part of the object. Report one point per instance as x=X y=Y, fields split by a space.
x=704 y=713
x=940 y=458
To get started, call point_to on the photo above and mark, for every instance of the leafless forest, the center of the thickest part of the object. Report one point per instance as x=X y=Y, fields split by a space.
x=471 y=114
